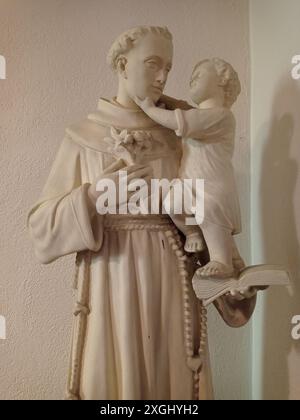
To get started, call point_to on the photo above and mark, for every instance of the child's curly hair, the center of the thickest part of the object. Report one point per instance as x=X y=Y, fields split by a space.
x=229 y=79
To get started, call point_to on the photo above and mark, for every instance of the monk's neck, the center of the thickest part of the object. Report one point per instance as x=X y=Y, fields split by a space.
x=124 y=99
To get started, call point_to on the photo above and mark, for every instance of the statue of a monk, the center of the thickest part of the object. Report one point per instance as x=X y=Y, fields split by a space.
x=139 y=331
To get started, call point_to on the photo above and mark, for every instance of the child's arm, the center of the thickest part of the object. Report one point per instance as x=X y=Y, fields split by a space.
x=161 y=116
x=207 y=125
x=202 y=124
x=173 y=103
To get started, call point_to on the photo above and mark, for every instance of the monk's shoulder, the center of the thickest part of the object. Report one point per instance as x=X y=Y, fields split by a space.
x=88 y=133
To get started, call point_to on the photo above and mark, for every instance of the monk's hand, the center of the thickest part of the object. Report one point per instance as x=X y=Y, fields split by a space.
x=145 y=104
x=115 y=172
x=245 y=293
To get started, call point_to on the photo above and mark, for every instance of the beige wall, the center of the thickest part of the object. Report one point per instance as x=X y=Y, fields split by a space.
x=56 y=70
x=275 y=220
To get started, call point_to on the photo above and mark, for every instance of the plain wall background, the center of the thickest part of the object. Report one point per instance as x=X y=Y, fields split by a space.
x=275 y=198
x=56 y=71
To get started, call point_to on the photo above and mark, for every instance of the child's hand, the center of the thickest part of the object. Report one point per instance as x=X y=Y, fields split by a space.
x=145 y=103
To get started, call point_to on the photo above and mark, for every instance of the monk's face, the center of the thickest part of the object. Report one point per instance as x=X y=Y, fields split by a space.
x=147 y=67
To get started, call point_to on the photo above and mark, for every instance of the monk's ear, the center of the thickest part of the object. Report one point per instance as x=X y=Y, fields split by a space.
x=121 y=66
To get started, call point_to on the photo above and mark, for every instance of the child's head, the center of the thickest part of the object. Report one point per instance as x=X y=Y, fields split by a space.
x=211 y=75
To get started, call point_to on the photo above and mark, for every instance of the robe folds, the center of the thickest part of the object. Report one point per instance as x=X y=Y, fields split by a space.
x=139 y=332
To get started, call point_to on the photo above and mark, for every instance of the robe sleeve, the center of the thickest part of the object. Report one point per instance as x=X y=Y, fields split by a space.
x=235 y=313
x=64 y=221
x=208 y=125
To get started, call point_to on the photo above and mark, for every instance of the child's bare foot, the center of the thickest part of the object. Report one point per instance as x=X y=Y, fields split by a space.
x=194 y=243
x=216 y=269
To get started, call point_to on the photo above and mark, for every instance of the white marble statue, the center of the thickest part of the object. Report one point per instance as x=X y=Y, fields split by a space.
x=139 y=330
x=207 y=154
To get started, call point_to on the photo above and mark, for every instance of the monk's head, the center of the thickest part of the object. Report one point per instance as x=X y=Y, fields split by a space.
x=142 y=58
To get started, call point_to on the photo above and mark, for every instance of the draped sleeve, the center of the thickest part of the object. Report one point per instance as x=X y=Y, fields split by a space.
x=235 y=313
x=209 y=125
x=63 y=220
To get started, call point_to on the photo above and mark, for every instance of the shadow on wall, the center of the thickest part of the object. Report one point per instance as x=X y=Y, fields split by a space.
x=279 y=214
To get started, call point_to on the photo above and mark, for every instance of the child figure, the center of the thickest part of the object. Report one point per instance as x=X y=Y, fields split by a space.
x=208 y=142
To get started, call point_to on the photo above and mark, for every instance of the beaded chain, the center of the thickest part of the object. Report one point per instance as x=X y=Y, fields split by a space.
x=82 y=310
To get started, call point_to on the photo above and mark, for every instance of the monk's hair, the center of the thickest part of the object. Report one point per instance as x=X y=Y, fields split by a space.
x=126 y=41
x=229 y=79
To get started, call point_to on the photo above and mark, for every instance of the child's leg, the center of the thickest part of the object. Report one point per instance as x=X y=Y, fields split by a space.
x=220 y=246
x=194 y=239
x=238 y=262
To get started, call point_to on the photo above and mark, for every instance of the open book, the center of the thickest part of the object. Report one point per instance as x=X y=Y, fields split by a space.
x=209 y=289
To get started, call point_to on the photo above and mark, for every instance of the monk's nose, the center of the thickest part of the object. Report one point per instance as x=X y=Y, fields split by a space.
x=162 y=77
